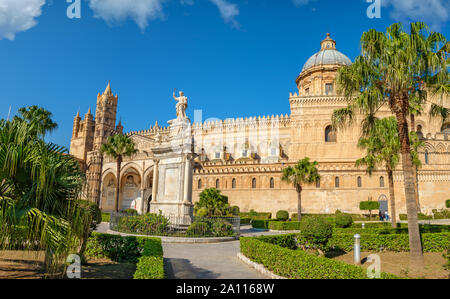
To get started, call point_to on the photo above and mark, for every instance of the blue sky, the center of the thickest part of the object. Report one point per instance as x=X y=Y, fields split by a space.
x=232 y=58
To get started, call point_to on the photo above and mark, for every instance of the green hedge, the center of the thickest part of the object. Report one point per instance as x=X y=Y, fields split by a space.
x=447 y=203
x=369 y=205
x=426 y=228
x=106 y=217
x=246 y=220
x=431 y=242
x=284 y=225
x=151 y=264
x=257 y=215
x=261 y=224
x=145 y=252
x=297 y=264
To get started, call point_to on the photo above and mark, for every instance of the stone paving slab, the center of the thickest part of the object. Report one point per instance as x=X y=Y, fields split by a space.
x=206 y=261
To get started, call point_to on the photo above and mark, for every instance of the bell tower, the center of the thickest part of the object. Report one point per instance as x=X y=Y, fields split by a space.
x=105 y=116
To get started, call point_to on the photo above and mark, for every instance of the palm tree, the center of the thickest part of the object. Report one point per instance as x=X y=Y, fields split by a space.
x=304 y=172
x=39 y=185
x=439 y=111
x=39 y=116
x=393 y=67
x=383 y=149
x=117 y=147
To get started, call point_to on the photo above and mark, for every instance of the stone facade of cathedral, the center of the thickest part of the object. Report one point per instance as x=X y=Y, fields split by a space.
x=244 y=158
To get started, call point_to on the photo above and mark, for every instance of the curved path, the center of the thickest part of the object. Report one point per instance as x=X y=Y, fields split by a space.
x=208 y=260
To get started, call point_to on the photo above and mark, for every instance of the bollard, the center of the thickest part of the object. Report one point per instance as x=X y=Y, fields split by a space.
x=357 y=250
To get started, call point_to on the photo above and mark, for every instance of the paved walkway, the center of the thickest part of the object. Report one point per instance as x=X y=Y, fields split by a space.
x=206 y=261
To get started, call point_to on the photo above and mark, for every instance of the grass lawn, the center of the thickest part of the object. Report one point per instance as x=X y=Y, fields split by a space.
x=397 y=263
x=29 y=265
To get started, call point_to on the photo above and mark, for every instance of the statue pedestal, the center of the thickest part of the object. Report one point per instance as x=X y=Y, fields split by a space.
x=174 y=188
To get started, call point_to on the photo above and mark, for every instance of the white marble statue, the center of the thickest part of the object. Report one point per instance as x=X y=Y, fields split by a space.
x=181 y=105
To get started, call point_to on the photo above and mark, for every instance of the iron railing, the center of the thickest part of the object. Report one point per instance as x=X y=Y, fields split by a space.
x=177 y=226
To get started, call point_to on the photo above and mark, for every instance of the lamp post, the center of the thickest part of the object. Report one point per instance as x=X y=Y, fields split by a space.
x=357 y=250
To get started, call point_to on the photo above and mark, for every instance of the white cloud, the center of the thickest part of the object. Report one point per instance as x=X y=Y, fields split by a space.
x=17 y=16
x=433 y=12
x=141 y=11
x=301 y=2
x=228 y=11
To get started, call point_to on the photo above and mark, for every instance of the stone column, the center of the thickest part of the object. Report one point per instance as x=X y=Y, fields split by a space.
x=155 y=180
x=187 y=194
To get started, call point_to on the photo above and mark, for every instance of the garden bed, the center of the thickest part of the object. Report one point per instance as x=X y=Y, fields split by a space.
x=30 y=265
x=398 y=263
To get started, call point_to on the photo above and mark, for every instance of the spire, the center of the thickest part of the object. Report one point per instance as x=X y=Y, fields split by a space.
x=78 y=114
x=108 y=89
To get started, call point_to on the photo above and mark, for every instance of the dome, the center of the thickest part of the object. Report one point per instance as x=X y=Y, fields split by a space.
x=327 y=55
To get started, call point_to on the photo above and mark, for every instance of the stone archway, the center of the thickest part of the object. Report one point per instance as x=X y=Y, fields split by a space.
x=383 y=200
x=130 y=191
x=108 y=194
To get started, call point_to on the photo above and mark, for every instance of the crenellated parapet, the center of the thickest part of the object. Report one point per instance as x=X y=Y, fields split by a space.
x=250 y=122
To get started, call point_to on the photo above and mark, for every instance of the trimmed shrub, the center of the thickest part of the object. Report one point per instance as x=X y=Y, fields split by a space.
x=316 y=231
x=198 y=229
x=282 y=215
x=151 y=224
x=149 y=267
x=431 y=242
x=151 y=264
x=441 y=214
x=235 y=210
x=146 y=253
x=447 y=203
x=221 y=228
x=257 y=215
x=262 y=224
x=246 y=220
x=297 y=264
x=420 y=216
x=369 y=206
x=343 y=220
x=284 y=225
x=106 y=217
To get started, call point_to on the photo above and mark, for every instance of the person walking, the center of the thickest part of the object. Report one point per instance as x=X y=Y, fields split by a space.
x=386 y=215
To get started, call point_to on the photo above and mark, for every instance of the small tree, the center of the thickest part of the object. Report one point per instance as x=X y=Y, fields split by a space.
x=282 y=215
x=214 y=202
x=369 y=206
x=304 y=172
x=316 y=231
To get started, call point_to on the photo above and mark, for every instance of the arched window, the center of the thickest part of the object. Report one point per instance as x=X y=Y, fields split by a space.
x=381 y=181
x=446 y=129
x=330 y=134
x=359 y=182
x=199 y=184
x=419 y=131
x=254 y=183
x=336 y=182
x=217 y=184
x=427 y=158
x=272 y=183
x=318 y=183
x=233 y=183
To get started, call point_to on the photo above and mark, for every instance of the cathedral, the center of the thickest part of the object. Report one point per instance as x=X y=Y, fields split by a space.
x=244 y=157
